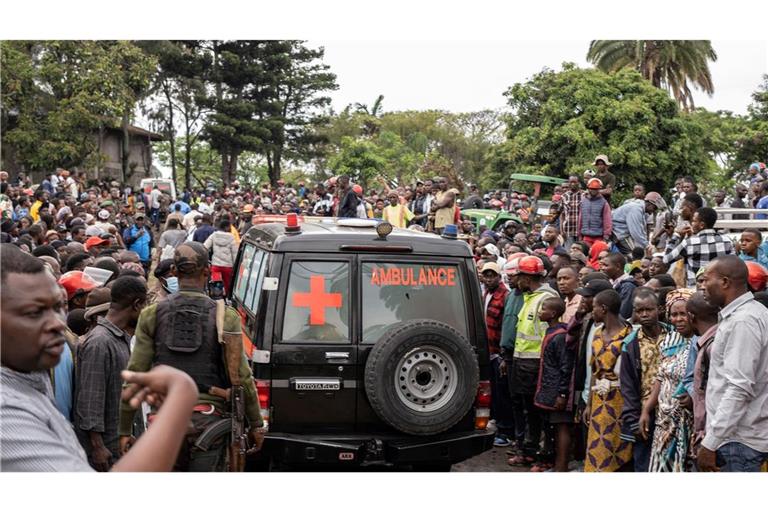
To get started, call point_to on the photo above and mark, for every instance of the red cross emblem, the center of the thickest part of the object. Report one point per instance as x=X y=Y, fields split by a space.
x=316 y=300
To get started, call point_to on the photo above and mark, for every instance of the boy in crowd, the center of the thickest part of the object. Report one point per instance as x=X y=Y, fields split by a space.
x=555 y=376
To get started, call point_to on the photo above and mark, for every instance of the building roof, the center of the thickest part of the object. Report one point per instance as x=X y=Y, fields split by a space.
x=138 y=132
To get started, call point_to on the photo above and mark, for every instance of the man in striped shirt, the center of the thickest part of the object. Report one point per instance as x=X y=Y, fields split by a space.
x=702 y=246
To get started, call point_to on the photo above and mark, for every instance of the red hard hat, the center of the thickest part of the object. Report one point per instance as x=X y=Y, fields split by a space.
x=757 y=276
x=357 y=189
x=531 y=265
x=76 y=282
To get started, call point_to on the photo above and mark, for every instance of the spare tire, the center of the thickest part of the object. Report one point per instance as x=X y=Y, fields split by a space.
x=421 y=377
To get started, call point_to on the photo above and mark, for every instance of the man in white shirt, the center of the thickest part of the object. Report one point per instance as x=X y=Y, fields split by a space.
x=189 y=219
x=154 y=205
x=737 y=390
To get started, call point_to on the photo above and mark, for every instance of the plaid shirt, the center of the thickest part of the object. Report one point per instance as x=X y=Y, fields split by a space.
x=102 y=355
x=494 y=315
x=697 y=251
x=571 y=205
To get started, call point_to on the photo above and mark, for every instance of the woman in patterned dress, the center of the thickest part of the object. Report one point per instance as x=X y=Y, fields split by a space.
x=673 y=421
x=606 y=452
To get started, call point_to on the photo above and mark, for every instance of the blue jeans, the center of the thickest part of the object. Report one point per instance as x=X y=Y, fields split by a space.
x=739 y=458
x=641 y=454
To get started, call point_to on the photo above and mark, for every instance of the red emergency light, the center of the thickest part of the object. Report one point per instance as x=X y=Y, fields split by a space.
x=292 y=223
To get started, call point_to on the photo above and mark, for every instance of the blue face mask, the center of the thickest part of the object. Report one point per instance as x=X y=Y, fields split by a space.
x=171 y=284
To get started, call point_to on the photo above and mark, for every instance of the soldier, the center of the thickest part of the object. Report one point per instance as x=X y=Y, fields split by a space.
x=182 y=331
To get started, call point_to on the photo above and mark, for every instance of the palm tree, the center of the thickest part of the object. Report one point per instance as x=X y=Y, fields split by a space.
x=671 y=65
x=374 y=110
x=371 y=124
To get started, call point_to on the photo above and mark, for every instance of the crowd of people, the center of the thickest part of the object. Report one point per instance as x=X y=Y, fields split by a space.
x=628 y=336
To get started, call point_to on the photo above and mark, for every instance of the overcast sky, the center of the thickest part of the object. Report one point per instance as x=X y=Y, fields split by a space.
x=466 y=76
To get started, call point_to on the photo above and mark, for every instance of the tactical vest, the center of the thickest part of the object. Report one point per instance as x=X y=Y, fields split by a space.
x=186 y=339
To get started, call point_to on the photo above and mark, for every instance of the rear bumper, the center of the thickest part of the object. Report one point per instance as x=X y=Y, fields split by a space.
x=368 y=450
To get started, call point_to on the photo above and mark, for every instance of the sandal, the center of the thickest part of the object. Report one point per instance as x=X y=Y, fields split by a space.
x=541 y=467
x=520 y=460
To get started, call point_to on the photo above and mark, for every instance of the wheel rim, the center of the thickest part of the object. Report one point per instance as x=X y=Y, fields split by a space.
x=426 y=379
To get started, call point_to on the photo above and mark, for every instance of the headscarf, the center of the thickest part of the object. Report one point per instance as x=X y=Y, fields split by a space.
x=594 y=251
x=677 y=295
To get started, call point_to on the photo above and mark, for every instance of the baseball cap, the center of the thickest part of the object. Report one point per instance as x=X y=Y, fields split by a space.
x=92 y=231
x=492 y=266
x=163 y=268
x=190 y=257
x=95 y=241
x=139 y=215
x=76 y=282
x=594 y=287
x=491 y=249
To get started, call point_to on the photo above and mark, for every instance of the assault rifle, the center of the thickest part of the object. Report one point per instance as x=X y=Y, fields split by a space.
x=233 y=353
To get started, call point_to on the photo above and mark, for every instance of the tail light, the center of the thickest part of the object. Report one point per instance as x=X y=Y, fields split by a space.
x=483 y=405
x=263 y=390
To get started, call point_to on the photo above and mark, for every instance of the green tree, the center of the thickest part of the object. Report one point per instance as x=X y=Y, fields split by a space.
x=673 y=65
x=754 y=147
x=361 y=159
x=57 y=94
x=172 y=103
x=561 y=120
x=266 y=96
x=205 y=164
x=300 y=94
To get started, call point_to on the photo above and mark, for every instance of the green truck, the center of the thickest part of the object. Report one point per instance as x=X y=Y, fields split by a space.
x=530 y=184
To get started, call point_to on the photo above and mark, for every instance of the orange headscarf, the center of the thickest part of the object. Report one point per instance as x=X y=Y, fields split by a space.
x=594 y=251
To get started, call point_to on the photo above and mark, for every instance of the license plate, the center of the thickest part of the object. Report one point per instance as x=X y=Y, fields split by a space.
x=317 y=384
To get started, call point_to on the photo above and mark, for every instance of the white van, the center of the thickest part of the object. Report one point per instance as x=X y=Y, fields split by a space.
x=165 y=186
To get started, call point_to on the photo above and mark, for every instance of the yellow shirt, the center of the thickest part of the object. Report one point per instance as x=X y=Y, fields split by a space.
x=34 y=212
x=398 y=216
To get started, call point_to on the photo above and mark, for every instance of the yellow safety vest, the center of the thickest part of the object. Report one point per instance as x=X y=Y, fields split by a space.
x=530 y=330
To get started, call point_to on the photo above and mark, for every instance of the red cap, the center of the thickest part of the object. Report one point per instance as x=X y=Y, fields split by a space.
x=757 y=276
x=75 y=282
x=95 y=241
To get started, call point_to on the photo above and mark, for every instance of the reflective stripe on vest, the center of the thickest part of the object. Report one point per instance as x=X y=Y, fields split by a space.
x=530 y=330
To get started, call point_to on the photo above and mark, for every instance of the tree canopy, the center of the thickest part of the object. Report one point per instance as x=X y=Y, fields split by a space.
x=56 y=94
x=561 y=120
x=671 y=65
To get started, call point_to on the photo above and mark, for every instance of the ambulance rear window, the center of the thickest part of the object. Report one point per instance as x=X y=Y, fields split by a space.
x=399 y=292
